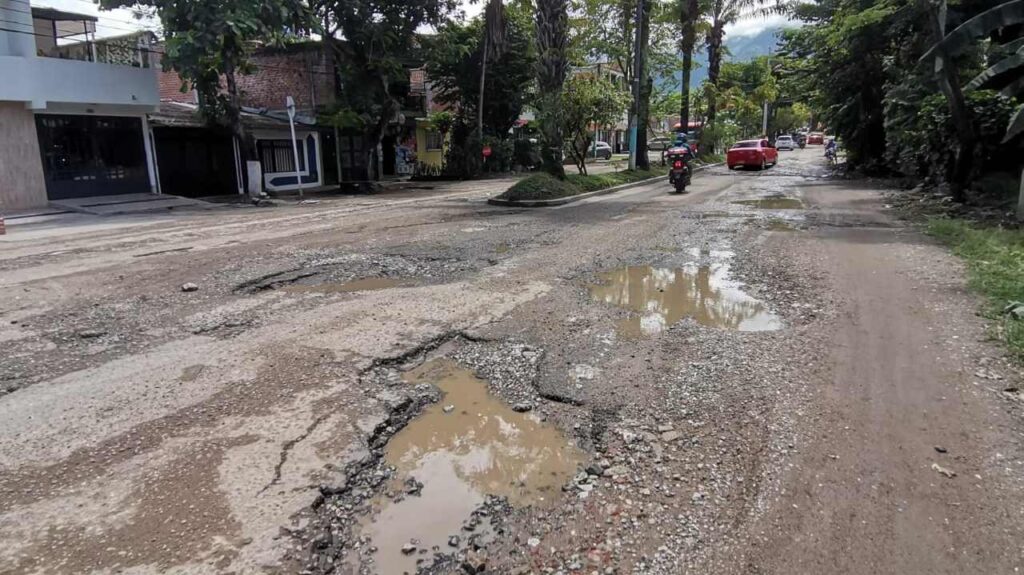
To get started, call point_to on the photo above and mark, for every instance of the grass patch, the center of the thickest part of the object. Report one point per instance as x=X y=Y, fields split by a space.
x=995 y=264
x=547 y=187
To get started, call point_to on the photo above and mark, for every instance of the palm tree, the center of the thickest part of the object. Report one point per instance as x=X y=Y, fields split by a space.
x=494 y=45
x=720 y=13
x=688 y=15
x=552 y=19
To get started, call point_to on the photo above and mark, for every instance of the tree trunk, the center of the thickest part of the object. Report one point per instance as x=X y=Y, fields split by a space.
x=714 y=68
x=688 y=21
x=646 y=87
x=480 y=99
x=246 y=144
x=1020 y=198
x=949 y=82
x=552 y=21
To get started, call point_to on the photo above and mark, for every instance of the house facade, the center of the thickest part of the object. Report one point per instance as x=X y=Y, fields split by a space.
x=73 y=109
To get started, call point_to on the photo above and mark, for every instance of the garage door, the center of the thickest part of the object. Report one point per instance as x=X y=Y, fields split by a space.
x=87 y=156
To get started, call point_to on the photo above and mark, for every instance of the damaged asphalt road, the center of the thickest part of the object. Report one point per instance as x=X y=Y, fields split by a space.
x=750 y=378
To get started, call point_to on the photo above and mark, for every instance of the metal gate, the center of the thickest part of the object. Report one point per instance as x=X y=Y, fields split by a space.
x=87 y=156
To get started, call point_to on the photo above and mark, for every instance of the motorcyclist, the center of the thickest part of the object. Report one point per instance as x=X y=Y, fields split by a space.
x=830 y=150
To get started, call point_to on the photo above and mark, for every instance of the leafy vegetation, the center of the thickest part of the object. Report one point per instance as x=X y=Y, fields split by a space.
x=371 y=40
x=995 y=264
x=588 y=101
x=455 y=57
x=940 y=105
x=205 y=42
x=547 y=187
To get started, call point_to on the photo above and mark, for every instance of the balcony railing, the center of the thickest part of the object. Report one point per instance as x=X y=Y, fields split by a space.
x=132 y=50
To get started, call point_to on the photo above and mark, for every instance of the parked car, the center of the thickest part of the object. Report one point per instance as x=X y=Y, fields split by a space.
x=815 y=138
x=785 y=143
x=659 y=144
x=747 y=153
x=601 y=150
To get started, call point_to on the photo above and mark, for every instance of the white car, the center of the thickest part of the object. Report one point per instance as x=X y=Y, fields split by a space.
x=785 y=143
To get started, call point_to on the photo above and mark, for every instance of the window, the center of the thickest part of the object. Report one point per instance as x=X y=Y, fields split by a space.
x=434 y=140
x=738 y=145
x=277 y=156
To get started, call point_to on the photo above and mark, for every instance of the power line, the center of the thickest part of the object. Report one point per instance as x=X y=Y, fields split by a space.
x=101 y=20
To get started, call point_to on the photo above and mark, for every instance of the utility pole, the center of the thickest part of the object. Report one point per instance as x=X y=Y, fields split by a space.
x=638 y=63
x=290 y=105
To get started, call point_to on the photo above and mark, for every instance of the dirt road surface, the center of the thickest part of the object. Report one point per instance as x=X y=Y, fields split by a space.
x=769 y=374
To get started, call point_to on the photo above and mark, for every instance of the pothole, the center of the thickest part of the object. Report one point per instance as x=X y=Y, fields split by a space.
x=466 y=447
x=772 y=203
x=361 y=284
x=780 y=225
x=662 y=296
x=356 y=272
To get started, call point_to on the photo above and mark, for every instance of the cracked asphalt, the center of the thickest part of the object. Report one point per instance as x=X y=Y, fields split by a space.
x=241 y=427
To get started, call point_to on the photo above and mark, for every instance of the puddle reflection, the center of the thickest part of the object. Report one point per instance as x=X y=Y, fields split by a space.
x=463 y=448
x=663 y=296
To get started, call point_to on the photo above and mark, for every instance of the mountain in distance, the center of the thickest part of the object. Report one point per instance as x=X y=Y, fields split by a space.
x=740 y=48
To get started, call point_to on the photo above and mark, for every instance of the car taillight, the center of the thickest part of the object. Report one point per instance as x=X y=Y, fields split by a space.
x=678 y=164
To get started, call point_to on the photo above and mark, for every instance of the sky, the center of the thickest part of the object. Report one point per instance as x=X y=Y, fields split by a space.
x=116 y=22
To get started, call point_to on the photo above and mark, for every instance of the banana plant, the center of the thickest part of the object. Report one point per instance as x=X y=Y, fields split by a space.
x=983 y=25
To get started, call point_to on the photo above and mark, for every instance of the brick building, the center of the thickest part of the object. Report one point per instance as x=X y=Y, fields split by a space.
x=301 y=70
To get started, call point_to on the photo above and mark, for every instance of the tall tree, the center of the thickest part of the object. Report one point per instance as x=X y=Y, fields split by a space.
x=372 y=42
x=720 y=13
x=552 y=23
x=494 y=45
x=689 y=14
x=453 y=58
x=205 y=42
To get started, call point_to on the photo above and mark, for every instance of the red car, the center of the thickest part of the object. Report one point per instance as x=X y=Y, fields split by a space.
x=756 y=153
x=815 y=138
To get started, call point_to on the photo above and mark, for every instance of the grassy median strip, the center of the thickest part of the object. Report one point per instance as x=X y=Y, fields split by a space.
x=995 y=263
x=546 y=187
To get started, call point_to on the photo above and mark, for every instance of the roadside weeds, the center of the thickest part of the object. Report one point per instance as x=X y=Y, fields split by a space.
x=995 y=264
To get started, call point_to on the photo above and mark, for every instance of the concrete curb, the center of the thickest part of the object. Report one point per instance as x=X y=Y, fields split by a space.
x=570 y=199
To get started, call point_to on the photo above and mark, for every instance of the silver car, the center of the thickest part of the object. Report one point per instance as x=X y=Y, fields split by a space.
x=785 y=143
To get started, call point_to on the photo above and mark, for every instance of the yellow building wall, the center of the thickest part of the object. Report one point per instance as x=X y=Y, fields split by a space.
x=423 y=155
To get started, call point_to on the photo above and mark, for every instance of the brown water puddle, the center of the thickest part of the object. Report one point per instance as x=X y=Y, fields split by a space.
x=663 y=296
x=772 y=203
x=779 y=225
x=362 y=284
x=463 y=448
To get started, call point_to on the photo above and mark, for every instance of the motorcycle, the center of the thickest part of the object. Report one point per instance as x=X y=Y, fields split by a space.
x=679 y=174
x=830 y=154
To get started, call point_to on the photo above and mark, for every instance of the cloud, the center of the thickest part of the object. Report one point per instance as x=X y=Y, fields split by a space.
x=754 y=26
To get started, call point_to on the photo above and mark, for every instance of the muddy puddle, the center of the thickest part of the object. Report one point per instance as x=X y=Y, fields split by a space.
x=660 y=297
x=780 y=225
x=461 y=449
x=362 y=284
x=772 y=203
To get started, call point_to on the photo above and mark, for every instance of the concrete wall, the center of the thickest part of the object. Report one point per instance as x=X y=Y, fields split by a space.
x=44 y=80
x=21 y=168
x=429 y=157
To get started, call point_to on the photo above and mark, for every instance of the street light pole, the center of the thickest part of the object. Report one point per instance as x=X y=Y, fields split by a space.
x=290 y=104
x=637 y=64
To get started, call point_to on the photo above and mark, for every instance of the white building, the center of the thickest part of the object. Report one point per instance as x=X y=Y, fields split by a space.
x=72 y=108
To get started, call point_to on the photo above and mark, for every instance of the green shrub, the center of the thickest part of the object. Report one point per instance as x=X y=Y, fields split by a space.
x=995 y=264
x=547 y=187
x=540 y=187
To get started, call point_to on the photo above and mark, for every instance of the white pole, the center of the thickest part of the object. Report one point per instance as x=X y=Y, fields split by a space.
x=290 y=102
x=764 y=123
